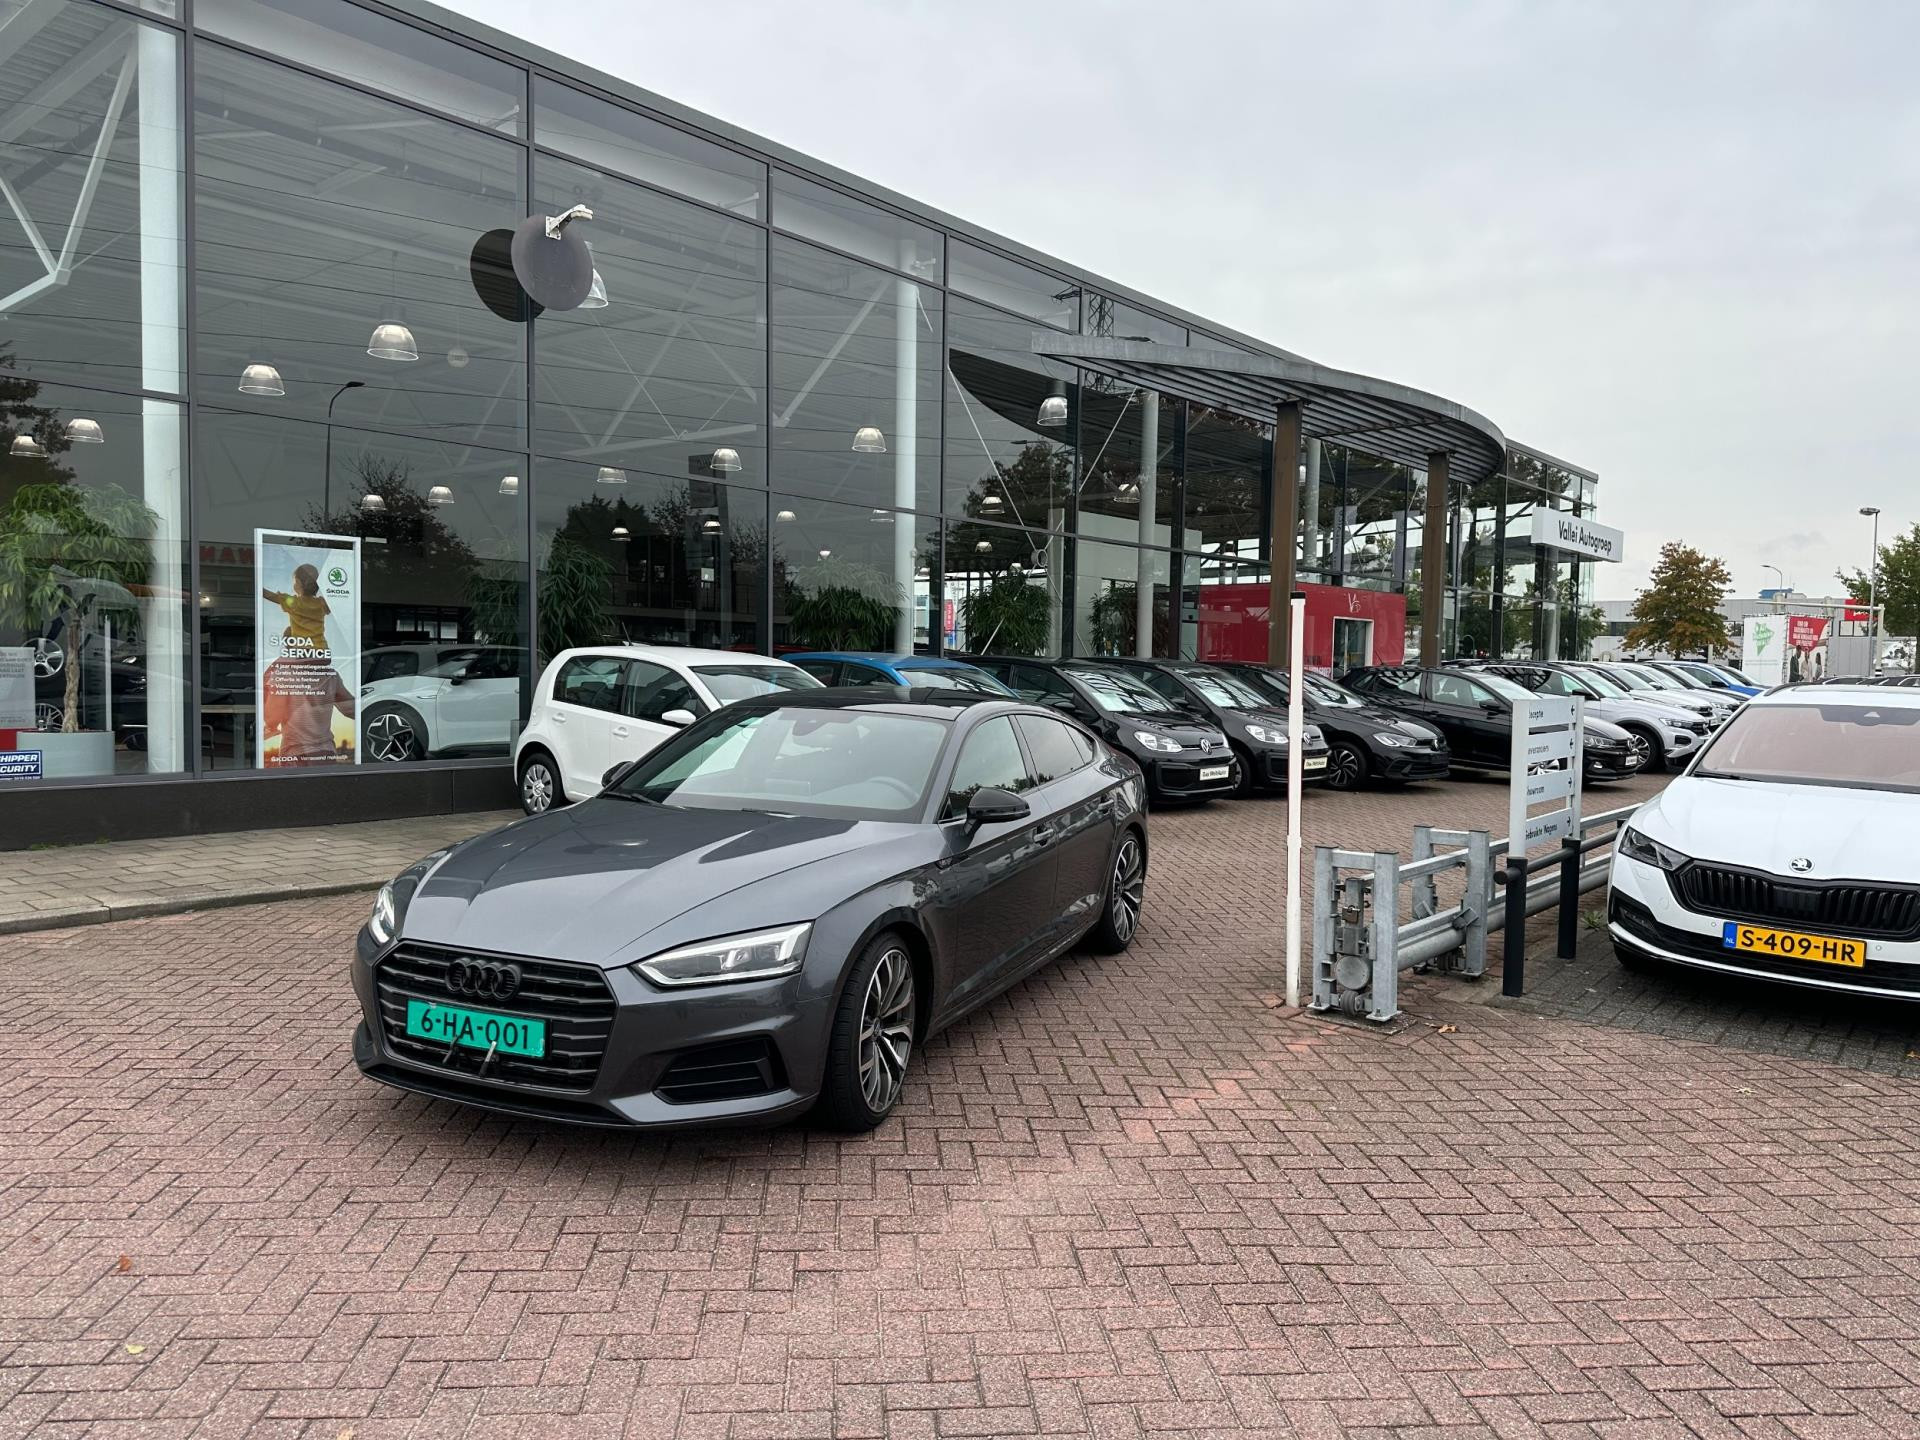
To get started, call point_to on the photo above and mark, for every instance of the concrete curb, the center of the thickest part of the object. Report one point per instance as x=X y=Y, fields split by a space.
x=102 y=912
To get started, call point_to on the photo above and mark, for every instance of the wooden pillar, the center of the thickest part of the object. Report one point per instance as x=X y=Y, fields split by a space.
x=1283 y=527
x=1433 y=559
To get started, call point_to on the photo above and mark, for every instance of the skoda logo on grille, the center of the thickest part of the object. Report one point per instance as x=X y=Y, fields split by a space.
x=1801 y=864
x=485 y=979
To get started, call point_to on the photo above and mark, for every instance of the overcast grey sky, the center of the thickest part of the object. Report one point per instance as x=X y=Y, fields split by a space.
x=1677 y=243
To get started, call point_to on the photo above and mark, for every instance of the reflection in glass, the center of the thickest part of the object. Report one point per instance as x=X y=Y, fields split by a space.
x=856 y=375
x=92 y=579
x=334 y=235
x=443 y=657
x=668 y=378
x=657 y=562
x=836 y=219
x=1006 y=459
x=384 y=55
x=1112 y=610
x=90 y=272
x=616 y=138
x=1013 y=286
x=1006 y=589
x=852 y=578
x=1228 y=464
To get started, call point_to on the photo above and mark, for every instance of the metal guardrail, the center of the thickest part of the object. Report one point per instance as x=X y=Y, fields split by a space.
x=1360 y=943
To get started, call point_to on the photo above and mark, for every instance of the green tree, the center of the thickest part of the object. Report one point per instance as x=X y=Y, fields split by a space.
x=1679 y=611
x=1008 y=617
x=1898 y=590
x=70 y=555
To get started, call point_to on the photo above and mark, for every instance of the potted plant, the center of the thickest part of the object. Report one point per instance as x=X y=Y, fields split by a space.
x=69 y=557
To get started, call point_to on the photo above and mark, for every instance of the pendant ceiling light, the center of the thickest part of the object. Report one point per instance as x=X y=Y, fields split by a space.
x=726 y=458
x=825 y=554
x=983 y=546
x=881 y=517
x=1127 y=493
x=260 y=379
x=393 y=341
x=25 y=447
x=85 y=432
x=869 y=441
x=786 y=515
x=439 y=495
x=990 y=501
x=1053 y=409
x=372 y=504
x=610 y=475
x=620 y=532
x=509 y=484
x=596 y=294
x=1017 y=568
x=710 y=525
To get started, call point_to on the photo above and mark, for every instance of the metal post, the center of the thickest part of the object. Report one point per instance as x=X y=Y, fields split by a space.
x=906 y=457
x=1570 y=858
x=1281 y=522
x=1423 y=891
x=1479 y=895
x=1433 y=559
x=1145 y=559
x=1513 y=973
x=1295 y=723
x=1384 y=993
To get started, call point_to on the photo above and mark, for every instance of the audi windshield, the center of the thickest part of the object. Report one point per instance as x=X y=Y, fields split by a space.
x=845 y=764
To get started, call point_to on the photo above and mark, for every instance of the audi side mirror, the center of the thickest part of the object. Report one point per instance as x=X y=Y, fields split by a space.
x=995 y=807
x=677 y=717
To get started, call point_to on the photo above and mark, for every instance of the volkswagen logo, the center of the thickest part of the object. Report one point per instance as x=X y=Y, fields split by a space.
x=1800 y=864
x=484 y=979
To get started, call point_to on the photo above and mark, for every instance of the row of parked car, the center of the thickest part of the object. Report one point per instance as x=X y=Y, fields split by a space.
x=1196 y=729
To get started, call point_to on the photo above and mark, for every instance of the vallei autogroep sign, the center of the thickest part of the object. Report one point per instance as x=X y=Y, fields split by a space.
x=1558 y=530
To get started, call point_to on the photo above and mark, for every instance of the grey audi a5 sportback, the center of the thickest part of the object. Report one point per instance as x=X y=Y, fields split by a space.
x=767 y=913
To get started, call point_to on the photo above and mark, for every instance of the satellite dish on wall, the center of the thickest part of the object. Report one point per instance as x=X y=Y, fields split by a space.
x=552 y=264
x=491 y=266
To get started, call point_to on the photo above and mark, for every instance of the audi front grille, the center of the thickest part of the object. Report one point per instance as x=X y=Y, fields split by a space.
x=573 y=1000
x=1878 y=912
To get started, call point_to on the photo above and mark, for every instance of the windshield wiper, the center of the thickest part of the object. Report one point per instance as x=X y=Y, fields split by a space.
x=635 y=798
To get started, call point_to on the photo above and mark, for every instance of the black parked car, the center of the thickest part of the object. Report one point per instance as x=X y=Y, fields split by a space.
x=1246 y=715
x=768 y=912
x=1474 y=710
x=1367 y=742
x=1183 y=755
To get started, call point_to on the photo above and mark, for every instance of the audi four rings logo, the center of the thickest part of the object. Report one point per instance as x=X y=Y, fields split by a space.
x=487 y=979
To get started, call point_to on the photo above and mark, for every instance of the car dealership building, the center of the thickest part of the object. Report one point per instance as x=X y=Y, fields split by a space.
x=309 y=456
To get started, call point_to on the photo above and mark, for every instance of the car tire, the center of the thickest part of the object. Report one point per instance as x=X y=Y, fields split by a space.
x=1633 y=960
x=392 y=734
x=1243 y=786
x=1648 y=744
x=1346 y=766
x=870 y=1043
x=539 y=776
x=1120 y=909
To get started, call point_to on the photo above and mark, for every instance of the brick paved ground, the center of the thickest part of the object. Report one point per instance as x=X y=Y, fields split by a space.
x=87 y=884
x=1129 y=1198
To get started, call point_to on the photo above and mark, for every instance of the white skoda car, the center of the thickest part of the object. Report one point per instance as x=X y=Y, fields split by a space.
x=1789 y=850
x=598 y=707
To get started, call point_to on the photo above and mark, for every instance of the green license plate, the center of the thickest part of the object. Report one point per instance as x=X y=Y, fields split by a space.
x=477 y=1029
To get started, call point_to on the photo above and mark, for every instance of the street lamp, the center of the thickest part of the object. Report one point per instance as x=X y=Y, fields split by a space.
x=326 y=477
x=1779 y=575
x=1873 y=592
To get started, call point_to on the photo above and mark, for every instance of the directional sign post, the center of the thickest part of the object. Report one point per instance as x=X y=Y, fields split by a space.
x=1545 y=768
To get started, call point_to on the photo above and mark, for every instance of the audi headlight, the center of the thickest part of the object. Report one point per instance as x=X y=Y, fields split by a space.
x=1395 y=742
x=385 y=920
x=1636 y=846
x=1162 y=743
x=1266 y=736
x=760 y=955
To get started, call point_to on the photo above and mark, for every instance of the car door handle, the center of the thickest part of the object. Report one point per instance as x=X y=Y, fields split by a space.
x=559 y=717
x=1043 y=834
x=621 y=730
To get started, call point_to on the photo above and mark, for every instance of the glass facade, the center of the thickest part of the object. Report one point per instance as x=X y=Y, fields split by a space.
x=294 y=473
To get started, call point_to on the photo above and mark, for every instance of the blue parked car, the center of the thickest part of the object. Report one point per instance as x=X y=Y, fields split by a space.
x=864 y=667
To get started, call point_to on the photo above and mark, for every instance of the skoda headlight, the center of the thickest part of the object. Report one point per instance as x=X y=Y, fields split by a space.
x=1395 y=742
x=385 y=920
x=1636 y=846
x=1266 y=736
x=760 y=955
x=1162 y=743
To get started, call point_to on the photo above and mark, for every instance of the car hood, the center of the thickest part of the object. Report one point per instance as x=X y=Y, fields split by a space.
x=1375 y=718
x=593 y=881
x=1187 y=729
x=1845 y=834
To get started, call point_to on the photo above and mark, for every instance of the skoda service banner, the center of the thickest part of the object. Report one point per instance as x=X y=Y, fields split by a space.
x=307 y=648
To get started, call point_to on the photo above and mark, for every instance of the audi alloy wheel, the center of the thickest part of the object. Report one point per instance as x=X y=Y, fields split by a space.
x=1126 y=896
x=886 y=1030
